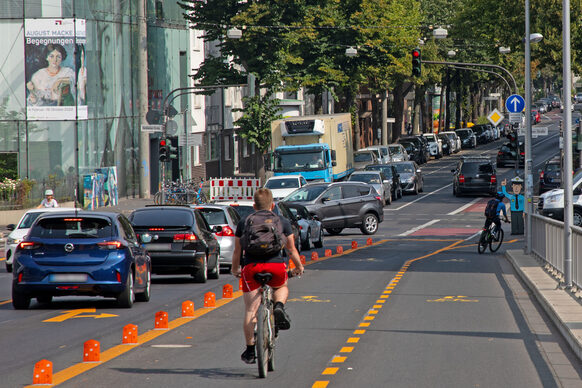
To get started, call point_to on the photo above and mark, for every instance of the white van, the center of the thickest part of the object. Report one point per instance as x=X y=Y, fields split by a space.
x=553 y=202
x=381 y=151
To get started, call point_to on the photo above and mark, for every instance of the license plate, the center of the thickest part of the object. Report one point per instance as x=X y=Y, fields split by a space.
x=68 y=278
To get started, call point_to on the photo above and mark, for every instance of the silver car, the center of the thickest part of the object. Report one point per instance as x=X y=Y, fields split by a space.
x=377 y=180
x=397 y=152
x=363 y=158
x=311 y=231
x=226 y=217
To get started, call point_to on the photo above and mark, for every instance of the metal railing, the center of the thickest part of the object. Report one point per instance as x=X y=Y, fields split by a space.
x=548 y=245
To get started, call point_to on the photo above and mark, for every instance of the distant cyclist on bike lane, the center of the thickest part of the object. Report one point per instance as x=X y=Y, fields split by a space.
x=252 y=228
x=493 y=209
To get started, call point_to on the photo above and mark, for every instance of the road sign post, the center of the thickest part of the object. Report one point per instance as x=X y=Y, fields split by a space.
x=515 y=103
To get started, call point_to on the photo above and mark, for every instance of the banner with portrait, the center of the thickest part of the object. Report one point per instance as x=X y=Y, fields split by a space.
x=55 y=69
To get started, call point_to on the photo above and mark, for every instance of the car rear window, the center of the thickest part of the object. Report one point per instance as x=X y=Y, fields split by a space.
x=305 y=194
x=213 y=216
x=395 y=150
x=404 y=167
x=551 y=167
x=162 y=217
x=284 y=183
x=72 y=227
x=366 y=178
x=477 y=168
x=363 y=157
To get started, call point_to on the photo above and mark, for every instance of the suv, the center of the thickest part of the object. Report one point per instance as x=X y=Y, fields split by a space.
x=342 y=205
x=553 y=202
x=420 y=144
x=391 y=174
x=182 y=242
x=435 y=145
x=550 y=175
x=474 y=175
x=382 y=153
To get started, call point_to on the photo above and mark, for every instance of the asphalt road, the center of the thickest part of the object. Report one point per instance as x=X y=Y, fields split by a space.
x=419 y=308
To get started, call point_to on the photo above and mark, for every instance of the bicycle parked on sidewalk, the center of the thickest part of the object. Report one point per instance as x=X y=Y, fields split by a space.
x=180 y=193
x=490 y=237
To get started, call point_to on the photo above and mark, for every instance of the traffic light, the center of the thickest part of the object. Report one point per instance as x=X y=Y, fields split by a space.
x=163 y=150
x=416 y=62
x=172 y=151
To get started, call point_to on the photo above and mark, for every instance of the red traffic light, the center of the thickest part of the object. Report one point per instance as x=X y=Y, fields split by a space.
x=415 y=53
x=162 y=142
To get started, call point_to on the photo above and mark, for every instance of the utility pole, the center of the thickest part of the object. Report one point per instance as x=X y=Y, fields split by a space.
x=527 y=145
x=142 y=101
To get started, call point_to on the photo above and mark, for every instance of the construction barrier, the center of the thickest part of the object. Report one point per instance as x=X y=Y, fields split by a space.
x=302 y=258
x=314 y=256
x=328 y=253
x=369 y=241
x=233 y=189
x=354 y=244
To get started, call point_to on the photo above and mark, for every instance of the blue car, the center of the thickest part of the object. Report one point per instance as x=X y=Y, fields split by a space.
x=81 y=253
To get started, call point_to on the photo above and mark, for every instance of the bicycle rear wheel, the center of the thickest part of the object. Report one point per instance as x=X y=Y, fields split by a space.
x=271 y=364
x=482 y=245
x=495 y=244
x=262 y=344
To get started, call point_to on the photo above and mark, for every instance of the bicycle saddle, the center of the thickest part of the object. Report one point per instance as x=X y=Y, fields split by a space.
x=264 y=277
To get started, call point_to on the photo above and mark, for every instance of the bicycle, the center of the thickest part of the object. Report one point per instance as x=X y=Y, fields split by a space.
x=488 y=238
x=266 y=331
x=200 y=196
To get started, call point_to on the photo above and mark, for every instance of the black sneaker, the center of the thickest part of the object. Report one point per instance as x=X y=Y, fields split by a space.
x=282 y=320
x=248 y=356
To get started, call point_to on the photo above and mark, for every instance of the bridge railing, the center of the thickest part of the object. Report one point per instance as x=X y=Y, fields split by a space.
x=548 y=245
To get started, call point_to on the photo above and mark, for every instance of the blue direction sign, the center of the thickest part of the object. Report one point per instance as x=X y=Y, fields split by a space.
x=515 y=103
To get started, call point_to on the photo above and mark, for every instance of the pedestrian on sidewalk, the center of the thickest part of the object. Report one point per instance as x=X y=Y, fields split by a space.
x=49 y=200
x=517 y=202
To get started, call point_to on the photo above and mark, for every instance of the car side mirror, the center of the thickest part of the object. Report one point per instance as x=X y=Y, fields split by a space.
x=217 y=229
x=10 y=227
x=324 y=200
x=145 y=238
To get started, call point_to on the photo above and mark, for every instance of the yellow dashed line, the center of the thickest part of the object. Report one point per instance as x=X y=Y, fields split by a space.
x=387 y=291
x=5 y=302
x=380 y=301
x=320 y=384
x=364 y=324
x=373 y=312
x=353 y=340
x=330 y=371
x=384 y=296
x=339 y=359
x=377 y=306
x=369 y=318
x=346 y=349
x=359 y=331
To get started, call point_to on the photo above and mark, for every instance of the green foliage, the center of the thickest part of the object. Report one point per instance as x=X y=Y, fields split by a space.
x=482 y=120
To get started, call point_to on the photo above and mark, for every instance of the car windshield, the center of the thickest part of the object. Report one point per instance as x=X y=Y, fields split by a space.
x=28 y=220
x=282 y=183
x=305 y=194
x=72 y=227
x=213 y=216
x=299 y=161
x=162 y=217
x=366 y=178
x=404 y=168
x=394 y=150
x=363 y=157
x=387 y=170
x=244 y=210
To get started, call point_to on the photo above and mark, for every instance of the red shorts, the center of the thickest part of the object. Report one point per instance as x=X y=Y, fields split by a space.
x=279 y=271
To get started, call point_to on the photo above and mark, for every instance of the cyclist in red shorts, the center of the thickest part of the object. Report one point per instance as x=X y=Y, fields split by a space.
x=276 y=265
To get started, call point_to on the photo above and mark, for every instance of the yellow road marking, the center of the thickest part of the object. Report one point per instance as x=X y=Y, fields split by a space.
x=458 y=298
x=377 y=306
x=320 y=384
x=346 y=349
x=330 y=371
x=353 y=340
x=2 y=258
x=359 y=331
x=381 y=301
x=384 y=296
x=339 y=359
x=373 y=312
x=369 y=318
x=5 y=302
x=78 y=314
x=364 y=324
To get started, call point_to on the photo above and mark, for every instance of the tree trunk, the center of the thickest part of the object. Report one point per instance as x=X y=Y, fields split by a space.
x=398 y=109
x=459 y=99
x=259 y=165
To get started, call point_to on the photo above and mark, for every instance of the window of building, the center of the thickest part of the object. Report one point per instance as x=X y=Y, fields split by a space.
x=213 y=148
x=245 y=148
x=196 y=155
x=226 y=142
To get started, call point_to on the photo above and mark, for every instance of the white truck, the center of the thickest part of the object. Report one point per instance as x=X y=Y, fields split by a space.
x=318 y=147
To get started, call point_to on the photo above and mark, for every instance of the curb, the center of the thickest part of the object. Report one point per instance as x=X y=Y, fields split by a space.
x=567 y=316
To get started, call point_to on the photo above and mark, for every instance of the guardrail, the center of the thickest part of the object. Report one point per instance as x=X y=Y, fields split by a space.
x=548 y=245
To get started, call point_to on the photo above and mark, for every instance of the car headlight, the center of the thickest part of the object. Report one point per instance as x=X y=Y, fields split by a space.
x=11 y=240
x=553 y=198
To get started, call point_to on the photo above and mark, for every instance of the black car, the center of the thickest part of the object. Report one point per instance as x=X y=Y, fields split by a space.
x=480 y=132
x=282 y=210
x=414 y=153
x=411 y=178
x=474 y=175
x=391 y=174
x=421 y=143
x=550 y=175
x=182 y=241
x=468 y=139
x=447 y=144
x=507 y=155
x=340 y=205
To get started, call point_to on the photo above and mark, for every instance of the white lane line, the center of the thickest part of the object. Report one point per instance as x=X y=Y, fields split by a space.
x=473 y=236
x=464 y=207
x=418 y=199
x=418 y=228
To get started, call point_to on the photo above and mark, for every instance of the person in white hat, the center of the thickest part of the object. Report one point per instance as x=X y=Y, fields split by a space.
x=49 y=200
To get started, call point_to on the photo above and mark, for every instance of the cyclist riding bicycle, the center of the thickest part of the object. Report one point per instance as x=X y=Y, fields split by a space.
x=492 y=211
x=274 y=264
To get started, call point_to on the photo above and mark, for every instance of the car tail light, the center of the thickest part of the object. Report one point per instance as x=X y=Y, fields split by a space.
x=110 y=244
x=493 y=179
x=185 y=237
x=541 y=175
x=461 y=178
x=500 y=153
x=522 y=153
x=28 y=245
x=379 y=198
x=156 y=229
x=20 y=275
x=118 y=276
x=226 y=231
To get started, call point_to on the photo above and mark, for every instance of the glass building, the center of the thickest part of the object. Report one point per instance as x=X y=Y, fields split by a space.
x=56 y=132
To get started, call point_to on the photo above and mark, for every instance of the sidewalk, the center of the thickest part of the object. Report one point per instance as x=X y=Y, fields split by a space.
x=563 y=307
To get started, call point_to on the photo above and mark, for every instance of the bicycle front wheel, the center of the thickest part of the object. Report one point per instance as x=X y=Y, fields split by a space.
x=158 y=198
x=262 y=344
x=495 y=244
x=482 y=245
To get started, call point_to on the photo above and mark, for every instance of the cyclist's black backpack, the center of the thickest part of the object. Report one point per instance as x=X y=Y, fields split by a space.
x=491 y=208
x=262 y=236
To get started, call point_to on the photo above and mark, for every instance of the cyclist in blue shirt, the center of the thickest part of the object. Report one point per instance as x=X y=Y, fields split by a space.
x=498 y=210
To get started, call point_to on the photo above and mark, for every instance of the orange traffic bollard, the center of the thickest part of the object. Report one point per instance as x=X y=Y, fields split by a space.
x=240 y=284
x=43 y=373
x=209 y=299
x=328 y=253
x=91 y=351
x=314 y=256
x=227 y=291
x=187 y=309
x=369 y=241
x=354 y=244
x=339 y=250
x=302 y=258
x=291 y=264
x=129 y=334
x=161 y=320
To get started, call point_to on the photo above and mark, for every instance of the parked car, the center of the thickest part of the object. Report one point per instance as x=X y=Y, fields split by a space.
x=363 y=158
x=283 y=185
x=340 y=205
x=550 y=175
x=474 y=175
x=81 y=253
x=243 y=208
x=310 y=227
x=541 y=106
x=20 y=230
x=455 y=140
x=414 y=153
x=397 y=152
x=389 y=170
x=480 y=132
x=447 y=144
x=182 y=241
x=495 y=131
x=382 y=153
x=578 y=98
x=507 y=155
x=435 y=145
x=411 y=178
x=556 y=102
x=421 y=144
x=553 y=203
x=377 y=180
x=468 y=138
x=282 y=210
x=227 y=218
